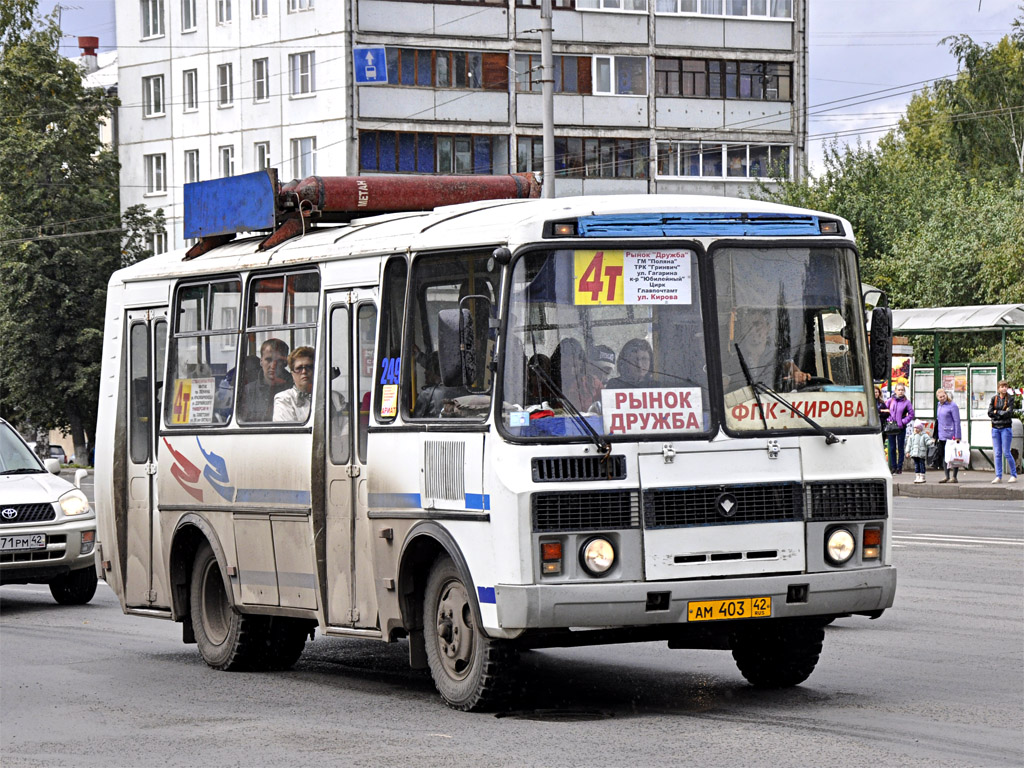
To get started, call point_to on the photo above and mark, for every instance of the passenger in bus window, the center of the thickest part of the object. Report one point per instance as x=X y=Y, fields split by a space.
x=635 y=361
x=293 y=404
x=257 y=400
x=570 y=371
x=769 y=359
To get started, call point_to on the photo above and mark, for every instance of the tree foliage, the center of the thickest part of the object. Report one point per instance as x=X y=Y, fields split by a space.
x=60 y=230
x=937 y=206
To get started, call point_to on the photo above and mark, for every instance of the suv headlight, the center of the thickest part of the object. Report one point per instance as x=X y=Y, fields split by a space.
x=74 y=503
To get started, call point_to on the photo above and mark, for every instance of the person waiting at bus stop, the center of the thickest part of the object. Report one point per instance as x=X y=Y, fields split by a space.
x=1000 y=410
x=947 y=427
x=901 y=413
x=257 y=399
x=293 y=404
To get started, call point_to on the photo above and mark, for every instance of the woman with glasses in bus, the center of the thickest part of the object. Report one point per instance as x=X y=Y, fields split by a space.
x=293 y=404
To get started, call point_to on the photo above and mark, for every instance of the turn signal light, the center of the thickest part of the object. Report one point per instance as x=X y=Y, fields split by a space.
x=565 y=230
x=872 y=544
x=88 y=542
x=551 y=557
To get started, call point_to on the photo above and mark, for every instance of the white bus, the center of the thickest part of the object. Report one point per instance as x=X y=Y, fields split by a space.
x=532 y=423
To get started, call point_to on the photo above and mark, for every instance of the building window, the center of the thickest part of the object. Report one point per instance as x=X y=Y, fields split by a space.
x=621 y=75
x=152 y=12
x=401 y=152
x=191 y=166
x=153 y=96
x=158 y=242
x=428 y=68
x=156 y=179
x=261 y=155
x=190 y=90
x=294 y=6
x=586 y=158
x=572 y=73
x=188 y=15
x=611 y=5
x=260 y=79
x=703 y=78
x=563 y=5
x=715 y=160
x=301 y=65
x=303 y=153
x=259 y=9
x=227 y=161
x=225 y=86
x=758 y=9
x=223 y=11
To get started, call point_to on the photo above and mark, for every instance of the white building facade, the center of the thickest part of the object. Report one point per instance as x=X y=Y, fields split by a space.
x=703 y=96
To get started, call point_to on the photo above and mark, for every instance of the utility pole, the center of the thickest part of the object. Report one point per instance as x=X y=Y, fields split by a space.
x=547 y=73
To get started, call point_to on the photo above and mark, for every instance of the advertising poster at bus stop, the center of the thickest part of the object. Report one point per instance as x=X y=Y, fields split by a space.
x=954 y=381
x=924 y=391
x=983 y=387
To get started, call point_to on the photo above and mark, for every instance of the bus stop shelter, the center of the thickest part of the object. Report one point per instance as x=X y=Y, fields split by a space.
x=937 y=321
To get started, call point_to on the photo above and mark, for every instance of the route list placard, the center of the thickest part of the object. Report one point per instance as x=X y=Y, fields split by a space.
x=633 y=277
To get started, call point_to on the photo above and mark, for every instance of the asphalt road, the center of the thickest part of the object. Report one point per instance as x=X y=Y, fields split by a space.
x=937 y=681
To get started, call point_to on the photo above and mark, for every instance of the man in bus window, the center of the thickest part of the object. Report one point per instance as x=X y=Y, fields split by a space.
x=769 y=359
x=257 y=400
x=293 y=404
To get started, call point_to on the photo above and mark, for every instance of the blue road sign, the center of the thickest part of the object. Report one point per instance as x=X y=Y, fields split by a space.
x=371 y=65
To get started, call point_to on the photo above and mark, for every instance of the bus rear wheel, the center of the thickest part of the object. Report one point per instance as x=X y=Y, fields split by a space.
x=229 y=640
x=779 y=656
x=470 y=670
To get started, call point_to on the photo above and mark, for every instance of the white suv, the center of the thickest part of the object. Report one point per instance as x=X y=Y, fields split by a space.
x=47 y=527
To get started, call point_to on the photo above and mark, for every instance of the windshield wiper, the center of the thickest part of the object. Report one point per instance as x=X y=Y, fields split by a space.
x=757 y=386
x=602 y=445
x=22 y=471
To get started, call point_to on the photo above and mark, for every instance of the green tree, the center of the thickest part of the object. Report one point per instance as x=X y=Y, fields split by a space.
x=60 y=230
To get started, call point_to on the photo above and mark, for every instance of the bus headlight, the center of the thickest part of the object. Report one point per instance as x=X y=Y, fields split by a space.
x=597 y=556
x=839 y=545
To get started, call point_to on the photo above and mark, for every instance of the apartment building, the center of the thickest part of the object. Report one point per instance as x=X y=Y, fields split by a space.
x=697 y=96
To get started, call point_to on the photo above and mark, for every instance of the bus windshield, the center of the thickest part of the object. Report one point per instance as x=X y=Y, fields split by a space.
x=790 y=322
x=612 y=337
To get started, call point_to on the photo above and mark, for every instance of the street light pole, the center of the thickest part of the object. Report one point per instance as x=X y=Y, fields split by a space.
x=547 y=72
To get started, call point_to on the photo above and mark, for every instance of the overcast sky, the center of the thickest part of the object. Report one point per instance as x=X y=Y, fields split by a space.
x=866 y=56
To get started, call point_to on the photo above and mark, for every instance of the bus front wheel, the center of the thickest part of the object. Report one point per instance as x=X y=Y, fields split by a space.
x=470 y=670
x=779 y=656
x=226 y=639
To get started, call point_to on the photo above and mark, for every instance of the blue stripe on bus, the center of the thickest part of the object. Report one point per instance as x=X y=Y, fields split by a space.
x=395 y=501
x=478 y=501
x=486 y=595
x=271 y=496
x=697 y=225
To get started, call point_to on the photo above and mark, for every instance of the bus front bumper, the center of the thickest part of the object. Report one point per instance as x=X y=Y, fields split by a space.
x=611 y=604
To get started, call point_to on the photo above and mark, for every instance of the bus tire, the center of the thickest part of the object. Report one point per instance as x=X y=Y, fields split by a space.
x=75 y=588
x=227 y=640
x=285 y=641
x=780 y=656
x=470 y=670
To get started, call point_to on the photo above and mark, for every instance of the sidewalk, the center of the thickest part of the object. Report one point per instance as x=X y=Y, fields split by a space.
x=971 y=484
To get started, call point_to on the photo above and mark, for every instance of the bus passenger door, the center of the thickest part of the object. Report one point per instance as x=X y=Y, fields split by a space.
x=351 y=600
x=147 y=346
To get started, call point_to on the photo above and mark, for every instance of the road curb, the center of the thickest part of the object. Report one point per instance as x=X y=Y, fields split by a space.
x=949 y=491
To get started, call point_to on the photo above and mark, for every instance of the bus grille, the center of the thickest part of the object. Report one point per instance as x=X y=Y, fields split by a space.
x=679 y=507
x=578 y=468
x=28 y=513
x=850 y=500
x=585 y=510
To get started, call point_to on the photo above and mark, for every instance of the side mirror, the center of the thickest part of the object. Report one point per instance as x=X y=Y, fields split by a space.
x=880 y=350
x=52 y=466
x=456 y=353
x=80 y=475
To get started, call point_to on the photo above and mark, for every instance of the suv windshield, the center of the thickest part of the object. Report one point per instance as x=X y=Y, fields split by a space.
x=617 y=334
x=15 y=457
x=788 y=315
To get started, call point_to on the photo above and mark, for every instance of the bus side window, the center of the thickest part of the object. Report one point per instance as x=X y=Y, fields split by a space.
x=389 y=349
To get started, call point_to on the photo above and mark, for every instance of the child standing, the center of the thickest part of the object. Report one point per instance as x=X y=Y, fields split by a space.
x=918 y=442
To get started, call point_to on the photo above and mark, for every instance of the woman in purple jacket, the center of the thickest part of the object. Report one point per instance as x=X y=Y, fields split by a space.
x=901 y=413
x=947 y=421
